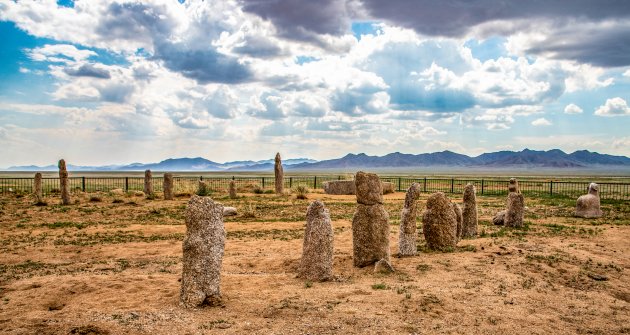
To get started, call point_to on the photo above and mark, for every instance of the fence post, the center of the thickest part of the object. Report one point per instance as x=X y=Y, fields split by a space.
x=315 y=182
x=200 y=177
x=232 y=177
x=551 y=187
x=399 y=188
x=126 y=184
x=83 y=183
x=481 y=186
x=338 y=177
x=290 y=182
x=263 y=182
x=452 y=185
x=425 y=184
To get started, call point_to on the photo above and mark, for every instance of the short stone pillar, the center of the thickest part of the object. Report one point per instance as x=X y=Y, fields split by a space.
x=588 y=205
x=37 y=189
x=148 y=183
x=515 y=210
x=469 y=212
x=439 y=223
x=279 y=175
x=232 y=189
x=408 y=230
x=167 y=186
x=203 y=249
x=370 y=224
x=317 y=250
x=63 y=183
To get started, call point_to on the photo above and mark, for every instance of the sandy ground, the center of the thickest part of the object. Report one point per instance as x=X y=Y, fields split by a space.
x=114 y=268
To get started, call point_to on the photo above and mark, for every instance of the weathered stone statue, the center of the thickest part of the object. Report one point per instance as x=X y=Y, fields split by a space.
x=588 y=205
x=63 y=183
x=370 y=224
x=232 y=189
x=317 y=251
x=169 y=193
x=37 y=189
x=279 y=175
x=408 y=230
x=148 y=183
x=439 y=223
x=203 y=249
x=469 y=212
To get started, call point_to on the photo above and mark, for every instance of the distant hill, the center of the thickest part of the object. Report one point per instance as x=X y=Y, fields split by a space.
x=495 y=160
x=503 y=159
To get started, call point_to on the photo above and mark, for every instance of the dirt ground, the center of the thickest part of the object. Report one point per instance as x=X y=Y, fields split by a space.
x=113 y=267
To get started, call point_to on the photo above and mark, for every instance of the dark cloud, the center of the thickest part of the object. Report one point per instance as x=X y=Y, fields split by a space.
x=119 y=93
x=205 y=66
x=88 y=70
x=303 y=20
x=258 y=47
x=136 y=21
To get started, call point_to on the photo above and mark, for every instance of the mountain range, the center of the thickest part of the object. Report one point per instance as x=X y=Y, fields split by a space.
x=502 y=159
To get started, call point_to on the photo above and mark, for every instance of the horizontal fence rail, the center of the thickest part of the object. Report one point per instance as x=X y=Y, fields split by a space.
x=189 y=184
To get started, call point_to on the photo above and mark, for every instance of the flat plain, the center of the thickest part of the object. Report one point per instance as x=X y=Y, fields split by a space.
x=111 y=264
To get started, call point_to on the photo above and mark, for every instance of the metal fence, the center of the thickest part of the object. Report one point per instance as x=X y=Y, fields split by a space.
x=189 y=184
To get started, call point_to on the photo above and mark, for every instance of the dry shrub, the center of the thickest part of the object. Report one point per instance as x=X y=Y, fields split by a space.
x=301 y=192
x=249 y=210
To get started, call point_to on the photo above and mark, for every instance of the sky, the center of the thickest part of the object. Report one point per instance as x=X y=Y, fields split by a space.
x=114 y=82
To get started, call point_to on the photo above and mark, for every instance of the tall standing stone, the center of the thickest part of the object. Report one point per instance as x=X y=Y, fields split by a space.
x=279 y=174
x=515 y=210
x=469 y=212
x=408 y=231
x=232 y=189
x=168 y=186
x=370 y=224
x=458 y=216
x=588 y=205
x=203 y=249
x=317 y=251
x=148 y=183
x=439 y=223
x=63 y=183
x=37 y=188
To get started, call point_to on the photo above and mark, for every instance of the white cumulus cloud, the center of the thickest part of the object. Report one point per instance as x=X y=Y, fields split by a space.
x=541 y=122
x=613 y=107
x=573 y=109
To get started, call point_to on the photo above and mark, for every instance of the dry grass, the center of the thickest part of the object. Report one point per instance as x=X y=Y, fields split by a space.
x=113 y=267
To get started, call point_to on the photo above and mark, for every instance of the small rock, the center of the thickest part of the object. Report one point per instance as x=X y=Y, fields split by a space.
x=597 y=277
x=229 y=211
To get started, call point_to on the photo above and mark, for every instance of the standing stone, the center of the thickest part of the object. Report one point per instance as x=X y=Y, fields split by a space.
x=513 y=186
x=469 y=212
x=515 y=210
x=203 y=188
x=203 y=248
x=458 y=216
x=408 y=231
x=37 y=188
x=317 y=251
x=148 y=183
x=588 y=205
x=439 y=223
x=232 y=189
x=168 y=186
x=370 y=224
x=63 y=183
x=279 y=174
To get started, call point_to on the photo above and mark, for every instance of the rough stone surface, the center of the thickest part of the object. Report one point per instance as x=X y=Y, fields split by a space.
x=148 y=183
x=63 y=183
x=408 y=233
x=340 y=187
x=469 y=212
x=439 y=223
x=370 y=234
x=588 y=205
x=169 y=193
x=229 y=211
x=515 y=210
x=458 y=215
x=383 y=266
x=317 y=251
x=37 y=188
x=203 y=249
x=499 y=218
x=232 y=189
x=369 y=188
x=279 y=175
x=388 y=187
x=513 y=186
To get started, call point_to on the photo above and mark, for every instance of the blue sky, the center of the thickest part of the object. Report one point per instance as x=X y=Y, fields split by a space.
x=108 y=82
